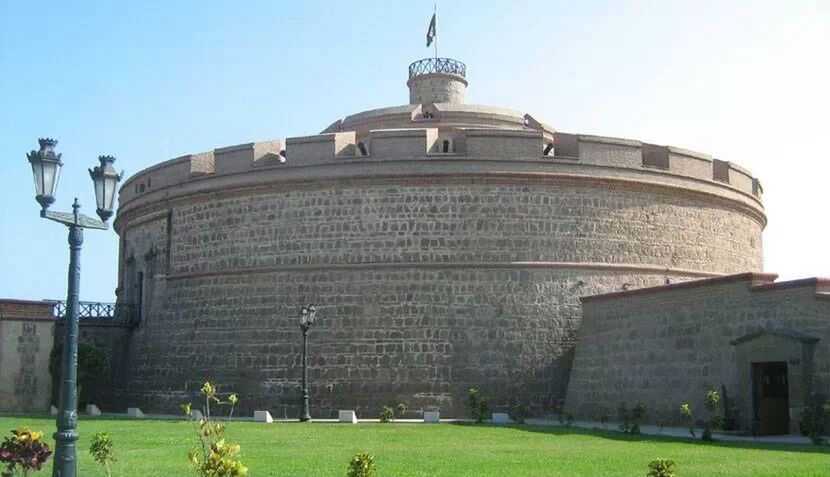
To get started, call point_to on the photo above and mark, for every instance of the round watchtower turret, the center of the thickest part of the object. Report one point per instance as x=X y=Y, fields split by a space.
x=437 y=80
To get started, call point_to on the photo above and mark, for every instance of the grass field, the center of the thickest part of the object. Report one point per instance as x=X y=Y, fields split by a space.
x=159 y=448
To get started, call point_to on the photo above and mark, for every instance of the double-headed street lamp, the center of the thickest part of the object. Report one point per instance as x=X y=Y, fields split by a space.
x=307 y=314
x=46 y=169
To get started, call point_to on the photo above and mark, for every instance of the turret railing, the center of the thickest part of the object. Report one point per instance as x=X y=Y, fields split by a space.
x=97 y=311
x=437 y=65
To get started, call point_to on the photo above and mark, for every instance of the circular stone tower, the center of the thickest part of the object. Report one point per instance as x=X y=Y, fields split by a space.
x=446 y=246
x=437 y=80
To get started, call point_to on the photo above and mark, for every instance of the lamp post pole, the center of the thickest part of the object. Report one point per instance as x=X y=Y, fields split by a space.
x=46 y=166
x=307 y=314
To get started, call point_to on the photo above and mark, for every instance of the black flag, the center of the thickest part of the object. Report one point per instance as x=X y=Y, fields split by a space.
x=431 y=30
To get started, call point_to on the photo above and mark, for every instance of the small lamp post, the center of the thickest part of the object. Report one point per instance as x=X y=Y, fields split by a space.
x=307 y=314
x=46 y=168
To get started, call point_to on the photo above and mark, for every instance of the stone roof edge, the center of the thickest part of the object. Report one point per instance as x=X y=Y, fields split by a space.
x=783 y=332
x=755 y=279
x=16 y=301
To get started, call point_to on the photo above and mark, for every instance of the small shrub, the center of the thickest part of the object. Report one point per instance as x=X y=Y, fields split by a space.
x=23 y=451
x=715 y=419
x=812 y=420
x=214 y=457
x=102 y=450
x=92 y=361
x=638 y=415
x=624 y=416
x=479 y=406
x=688 y=417
x=569 y=419
x=604 y=420
x=661 y=468
x=662 y=420
x=402 y=408
x=519 y=413
x=387 y=414
x=361 y=465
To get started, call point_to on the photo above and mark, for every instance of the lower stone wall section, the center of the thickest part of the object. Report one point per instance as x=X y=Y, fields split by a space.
x=671 y=346
x=26 y=331
x=421 y=336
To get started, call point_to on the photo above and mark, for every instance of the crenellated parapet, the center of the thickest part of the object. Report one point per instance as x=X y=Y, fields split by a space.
x=532 y=149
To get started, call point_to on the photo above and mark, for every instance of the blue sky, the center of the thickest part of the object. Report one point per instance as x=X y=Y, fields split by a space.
x=148 y=81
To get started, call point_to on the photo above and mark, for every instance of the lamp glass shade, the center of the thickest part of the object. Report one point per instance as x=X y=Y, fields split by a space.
x=104 y=179
x=312 y=312
x=46 y=171
x=304 y=316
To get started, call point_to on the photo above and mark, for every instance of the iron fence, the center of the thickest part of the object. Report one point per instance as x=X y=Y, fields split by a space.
x=92 y=310
x=437 y=65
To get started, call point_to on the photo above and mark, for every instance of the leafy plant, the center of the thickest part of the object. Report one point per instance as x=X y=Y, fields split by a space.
x=662 y=420
x=638 y=415
x=92 y=361
x=387 y=414
x=402 y=408
x=479 y=406
x=102 y=450
x=813 y=419
x=688 y=417
x=604 y=420
x=215 y=457
x=23 y=451
x=519 y=413
x=624 y=415
x=361 y=465
x=715 y=418
x=661 y=468
x=569 y=419
x=630 y=420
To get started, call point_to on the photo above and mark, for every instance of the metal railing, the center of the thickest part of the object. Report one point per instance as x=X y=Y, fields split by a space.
x=91 y=310
x=437 y=65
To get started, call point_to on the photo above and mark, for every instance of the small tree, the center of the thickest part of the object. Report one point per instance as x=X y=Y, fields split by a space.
x=215 y=457
x=102 y=450
x=638 y=415
x=402 y=408
x=92 y=361
x=387 y=414
x=688 y=417
x=624 y=416
x=715 y=419
x=361 y=465
x=479 y=406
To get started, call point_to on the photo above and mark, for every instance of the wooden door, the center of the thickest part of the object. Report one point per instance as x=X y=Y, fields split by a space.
x=772 y=403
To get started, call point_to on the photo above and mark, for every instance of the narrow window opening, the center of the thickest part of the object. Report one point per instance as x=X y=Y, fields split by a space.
x=446 y=147
x=362 y=148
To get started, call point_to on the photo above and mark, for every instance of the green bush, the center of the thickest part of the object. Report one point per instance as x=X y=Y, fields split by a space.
x=387 y=414
x=661 y=468
x=519 y=413
x=630 y=420
x=402 y=408
x=361 y=465
x=92 y=361
x=813 y=420
x=102 y=450
x=479 y=406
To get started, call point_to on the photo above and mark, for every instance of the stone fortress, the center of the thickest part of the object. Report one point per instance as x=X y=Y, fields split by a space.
x=451 y=246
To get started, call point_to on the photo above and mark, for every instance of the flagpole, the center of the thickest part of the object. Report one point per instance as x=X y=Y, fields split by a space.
x=435 y=13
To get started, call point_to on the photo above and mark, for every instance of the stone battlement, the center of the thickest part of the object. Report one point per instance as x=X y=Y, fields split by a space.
x=521 y=150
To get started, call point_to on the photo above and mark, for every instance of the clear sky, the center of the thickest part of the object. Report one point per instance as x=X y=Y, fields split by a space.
x=748 y=82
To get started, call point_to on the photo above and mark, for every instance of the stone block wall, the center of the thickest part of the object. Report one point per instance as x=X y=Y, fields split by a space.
x=26 y=334
x=671 y=345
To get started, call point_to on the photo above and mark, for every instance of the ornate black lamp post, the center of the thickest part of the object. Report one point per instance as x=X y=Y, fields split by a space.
x=46 y=168
x=307 y=314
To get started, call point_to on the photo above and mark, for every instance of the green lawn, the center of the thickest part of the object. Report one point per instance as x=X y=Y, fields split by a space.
x=159 y=448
